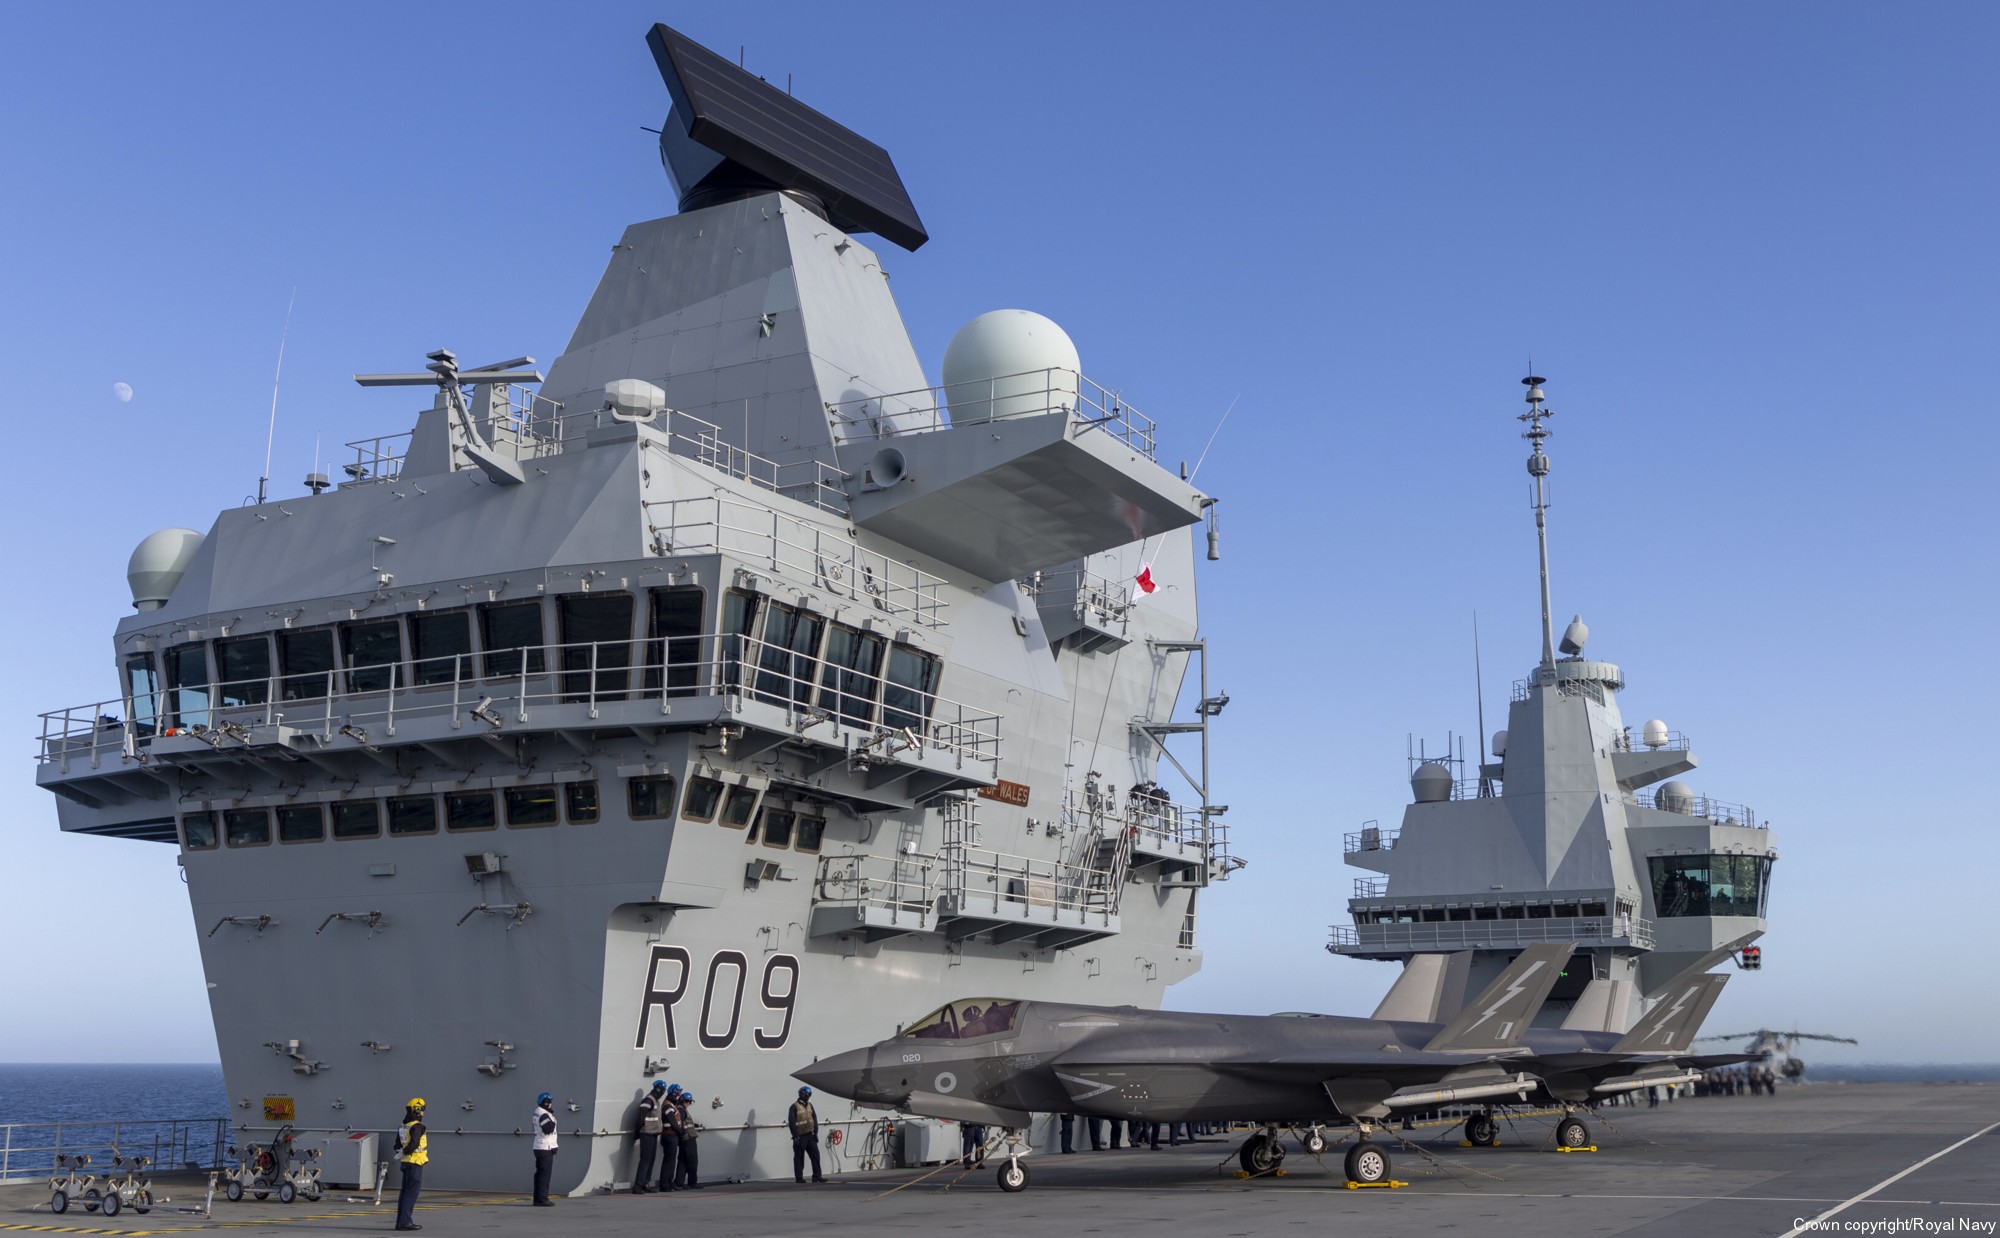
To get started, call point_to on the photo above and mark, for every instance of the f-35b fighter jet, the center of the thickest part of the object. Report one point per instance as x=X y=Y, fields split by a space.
x=996 y=1061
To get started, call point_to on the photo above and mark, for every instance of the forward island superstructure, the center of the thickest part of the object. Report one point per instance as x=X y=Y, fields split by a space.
x=1575 y=830
x=730 y=699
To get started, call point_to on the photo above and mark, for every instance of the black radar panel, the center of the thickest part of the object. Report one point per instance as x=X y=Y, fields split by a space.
x=765 y=132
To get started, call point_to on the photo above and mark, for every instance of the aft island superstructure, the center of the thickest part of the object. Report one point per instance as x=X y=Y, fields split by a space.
x=1576 y=830
x=728 y=699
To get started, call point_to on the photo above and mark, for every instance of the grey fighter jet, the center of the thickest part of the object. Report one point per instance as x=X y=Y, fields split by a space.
x=996 y=1061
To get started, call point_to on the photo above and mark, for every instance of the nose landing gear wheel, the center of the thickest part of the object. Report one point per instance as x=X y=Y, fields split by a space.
x=1367 y=1162
x=1261 y=1154
x=1013 y=1177
x=1572 y=1133
x=1313 y=1143
x=1481 y=1131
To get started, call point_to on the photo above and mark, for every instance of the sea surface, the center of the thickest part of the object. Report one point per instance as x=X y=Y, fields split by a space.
x=173 y=1113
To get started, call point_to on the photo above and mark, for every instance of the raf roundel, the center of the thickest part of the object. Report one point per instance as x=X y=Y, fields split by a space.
x=946 y=1081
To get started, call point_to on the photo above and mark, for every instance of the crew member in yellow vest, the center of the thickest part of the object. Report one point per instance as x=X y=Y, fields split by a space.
x=804 y=1125
x=414 y=1151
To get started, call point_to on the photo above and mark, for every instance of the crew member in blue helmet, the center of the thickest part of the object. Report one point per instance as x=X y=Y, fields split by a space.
x=545 y=1147
x=651 y=1121
x=804 y=1125
x=690 y=1176
x=672 y=1125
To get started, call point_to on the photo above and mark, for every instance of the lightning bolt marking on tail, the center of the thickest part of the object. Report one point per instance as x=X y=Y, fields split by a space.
x=1667 y=1020
x=1512 y=992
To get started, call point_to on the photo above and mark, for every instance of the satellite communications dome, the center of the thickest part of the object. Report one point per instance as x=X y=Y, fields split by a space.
x=634 y=399
x=1431 y=784
x=1499 y=743
x=1009 y=363
x=1675 y=796
x=158 y=565
x=1654 y=734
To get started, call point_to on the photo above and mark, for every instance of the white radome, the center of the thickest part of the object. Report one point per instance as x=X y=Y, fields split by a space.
x=1009 y=363
x=158 y=565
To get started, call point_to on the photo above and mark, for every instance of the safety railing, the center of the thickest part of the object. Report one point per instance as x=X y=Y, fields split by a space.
x=900 y=887
x=992 y=884
x=1370 y=837
x=1032 y=393
x=1096 y=599
x=502 y=688
x=1722 y=812
x=28 y=1150
x=1468 y=934
x=711 y=524
x=1625 y=741
x=1371 y=887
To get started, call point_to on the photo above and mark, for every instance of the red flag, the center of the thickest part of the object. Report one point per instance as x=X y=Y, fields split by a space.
x=1144 y=584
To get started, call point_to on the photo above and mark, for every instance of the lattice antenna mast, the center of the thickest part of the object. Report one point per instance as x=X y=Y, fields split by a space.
x=1538 y=468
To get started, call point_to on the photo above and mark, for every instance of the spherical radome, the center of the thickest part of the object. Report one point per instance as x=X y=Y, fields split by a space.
x=1431 y=784
x=1675 y=796
x=158 y=564
x=1009 y=363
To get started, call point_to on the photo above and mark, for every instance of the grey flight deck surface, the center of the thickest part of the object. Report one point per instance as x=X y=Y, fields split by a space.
x=1714 y=1167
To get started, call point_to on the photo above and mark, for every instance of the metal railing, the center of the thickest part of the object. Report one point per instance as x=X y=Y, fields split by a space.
x=1625 y=741
x=1722 y=812
x=1464 y=934
x=1371 y=887
x=976 y=881
x=501 y=688
x=1096 y=599
x=28 y=1150
x=712 y=524
x=1370 y=837
x=1032 y=393
x=899 y=885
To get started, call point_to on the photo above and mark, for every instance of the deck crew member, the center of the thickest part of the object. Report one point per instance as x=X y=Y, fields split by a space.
x=690 y=1178
x=804 y=1125
x=648 y=1133
x=672 y=1127
x=414 y=1152
x=545 y=1147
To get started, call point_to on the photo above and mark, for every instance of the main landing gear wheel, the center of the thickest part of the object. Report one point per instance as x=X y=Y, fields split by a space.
x=287 y=1192
x=59 y=1202
x=1367 y=1163
x=1261 y=1154
x=1481 y=1131
x=1313 y=1143
x=233 y=1192
x=1572 y=1133
x=1013 y=1177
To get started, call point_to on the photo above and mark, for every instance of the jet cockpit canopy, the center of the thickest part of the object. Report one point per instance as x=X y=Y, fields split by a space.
x=968 y=1019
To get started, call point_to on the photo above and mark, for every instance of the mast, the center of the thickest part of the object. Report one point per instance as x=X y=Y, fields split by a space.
x=1538 y=468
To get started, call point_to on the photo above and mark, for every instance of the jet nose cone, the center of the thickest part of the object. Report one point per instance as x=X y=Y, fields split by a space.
x=841 y=1075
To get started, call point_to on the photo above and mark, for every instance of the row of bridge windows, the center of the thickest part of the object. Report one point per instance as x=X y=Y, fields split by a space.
x=1513 y=911
x=795 y=656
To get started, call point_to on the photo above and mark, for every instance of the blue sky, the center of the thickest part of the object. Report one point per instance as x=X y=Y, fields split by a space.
x=1752 y=247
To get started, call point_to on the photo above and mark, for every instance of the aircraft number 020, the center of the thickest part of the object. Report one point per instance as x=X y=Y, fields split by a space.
x=669 y=973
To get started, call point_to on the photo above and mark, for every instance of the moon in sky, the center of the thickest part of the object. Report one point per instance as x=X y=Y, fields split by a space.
x=123 y=391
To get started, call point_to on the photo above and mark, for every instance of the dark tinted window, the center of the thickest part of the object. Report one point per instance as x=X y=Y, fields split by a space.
x=441 y=646
x=596 y=637
x=673 y=639
x=853 y=660
x=650 y=798
x=911 y=689
x=142 y=693
x=507 y=629
x=811 y=831
x=580 y=801
x=704 y=795
x=413 y=814
x=243 y=664
x=737 y=808
x=372 y=650
x=788 y=660
x=469 y=810
x=357 y=819
x=246 y=827
x=301 y=823
x=198 y=831
x=530 y=806
x=187 y=679
x=306 y=658
x=777 y=827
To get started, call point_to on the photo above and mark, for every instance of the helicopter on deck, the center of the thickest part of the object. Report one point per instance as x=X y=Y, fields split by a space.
x=1778 y=1049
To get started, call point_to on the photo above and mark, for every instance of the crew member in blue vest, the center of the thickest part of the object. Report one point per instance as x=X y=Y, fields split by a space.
x=414 y=1152
x=545 y=1147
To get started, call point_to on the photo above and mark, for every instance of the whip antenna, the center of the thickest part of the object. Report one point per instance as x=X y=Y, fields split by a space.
x=272 y=430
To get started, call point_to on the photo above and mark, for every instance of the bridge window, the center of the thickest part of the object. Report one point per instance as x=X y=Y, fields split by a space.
x=469 y=810
x=788 y=659
x=580 y=802
x=301 y=823
x=596 y=636
x=1433 y=915
x=911 y=689
x=811 y=831
x=1540 y=911
x=965 y=1020
x=198 y=831
x=704 y=796
x=372 y=650
x=1513 y=913
x=187 y=679
x=243 y=664
x=1458 y=913
x=441 y=646
x=650 y=799
x=357 y=819
x=853 y=660
x=1486 y=913
x=246 y=827
x=736 y=809
x=530 y=806
x=505 y=631
x=306 y=659
x=1709 y=885
x=673 y=639
x=1565 y=911
x=142 y=693
x=1593 y=909
x=778 y=827
x=413 y=814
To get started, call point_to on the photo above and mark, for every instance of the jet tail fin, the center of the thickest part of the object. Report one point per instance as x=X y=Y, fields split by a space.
x=1496 y=1018
x=1669 y=1027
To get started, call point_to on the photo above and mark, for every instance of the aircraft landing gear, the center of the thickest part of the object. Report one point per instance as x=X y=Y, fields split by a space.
x=1367 y=1163
x=1572 y=1132
x=1262 y=1153
x=1481 y=1131
x=1313 y=1141
x=1013 y=1174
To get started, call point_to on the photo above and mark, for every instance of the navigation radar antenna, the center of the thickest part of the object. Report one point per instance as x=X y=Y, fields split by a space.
x=1538 y=468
